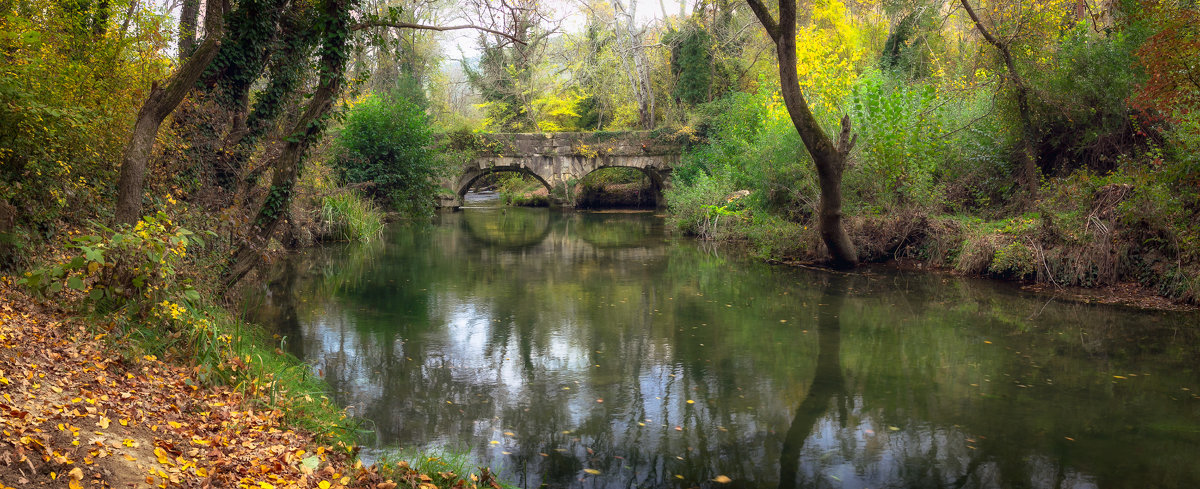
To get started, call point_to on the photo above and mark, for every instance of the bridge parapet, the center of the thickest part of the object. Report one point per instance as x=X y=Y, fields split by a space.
x=559 y=159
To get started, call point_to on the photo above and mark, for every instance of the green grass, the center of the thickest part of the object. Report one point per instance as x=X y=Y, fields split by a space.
x=347 y=217
x=446 y=467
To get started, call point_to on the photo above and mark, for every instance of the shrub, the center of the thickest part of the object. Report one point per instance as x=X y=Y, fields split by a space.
x=898 y=142
x=386 y=144
x=697 y=209
x=133 y=265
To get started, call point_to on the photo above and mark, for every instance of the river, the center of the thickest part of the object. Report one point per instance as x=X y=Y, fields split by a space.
x=595 y=350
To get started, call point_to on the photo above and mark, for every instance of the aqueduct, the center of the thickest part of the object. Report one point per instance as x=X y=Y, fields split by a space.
x=559 y=160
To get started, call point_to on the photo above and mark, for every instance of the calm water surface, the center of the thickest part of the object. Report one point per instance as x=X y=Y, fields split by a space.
x=545 y=343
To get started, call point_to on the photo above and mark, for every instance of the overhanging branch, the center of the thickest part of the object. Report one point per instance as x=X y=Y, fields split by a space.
x=440 y=28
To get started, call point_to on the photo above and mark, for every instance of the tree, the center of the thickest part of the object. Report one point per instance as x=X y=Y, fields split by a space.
x=506 y=74
x=386 y=143
x=633 y=58
x=1029 y=170
x=159 y=104
x=828 y=158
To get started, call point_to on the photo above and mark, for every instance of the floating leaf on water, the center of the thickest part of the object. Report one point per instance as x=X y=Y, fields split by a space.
x=592 y=471
x=721 y=479
x=893 y=428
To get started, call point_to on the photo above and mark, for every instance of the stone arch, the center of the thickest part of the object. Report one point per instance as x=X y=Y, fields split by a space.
x=472 y=174
x=659 y=177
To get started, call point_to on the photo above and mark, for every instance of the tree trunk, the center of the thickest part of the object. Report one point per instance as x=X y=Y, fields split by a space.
x=286 y=166
x=187 y=27
x=829 y=159
x=159 y=104
x=1029 y=177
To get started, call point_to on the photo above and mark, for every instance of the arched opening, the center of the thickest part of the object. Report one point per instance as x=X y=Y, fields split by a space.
x=504 y=186
x=618 y=187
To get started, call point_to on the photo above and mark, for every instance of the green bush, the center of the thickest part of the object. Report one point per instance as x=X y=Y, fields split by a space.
x=386 y=144
x=899 y=144
x=694 y=208
x=133 y=265
x=1082 y=113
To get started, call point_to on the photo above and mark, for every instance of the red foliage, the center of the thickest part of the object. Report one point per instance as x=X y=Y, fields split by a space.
x=1171 y=58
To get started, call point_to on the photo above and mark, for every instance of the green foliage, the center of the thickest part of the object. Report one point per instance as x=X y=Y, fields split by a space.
x=691 y=63
x=1016 y=260
x=907 y=50
x=134 y=266
x=347 y=217
x=1082 y=115
x=899 y=143
x=386 y=144
x=693 y=207
x=69 y=93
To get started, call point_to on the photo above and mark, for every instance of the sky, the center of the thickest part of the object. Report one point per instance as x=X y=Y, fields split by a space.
x=570 y=16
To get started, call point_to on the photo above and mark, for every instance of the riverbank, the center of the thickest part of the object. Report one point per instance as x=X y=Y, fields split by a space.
x=79 y=411
x=1099 y=242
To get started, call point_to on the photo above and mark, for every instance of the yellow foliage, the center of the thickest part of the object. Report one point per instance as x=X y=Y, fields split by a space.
x=828 y=53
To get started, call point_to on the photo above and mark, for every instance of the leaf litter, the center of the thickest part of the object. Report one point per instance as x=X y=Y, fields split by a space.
x=75 y=414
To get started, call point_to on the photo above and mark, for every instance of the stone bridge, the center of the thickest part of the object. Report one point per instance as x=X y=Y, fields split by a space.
x=560 y=160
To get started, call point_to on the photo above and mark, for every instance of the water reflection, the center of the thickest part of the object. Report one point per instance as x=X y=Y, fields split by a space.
x=548 y=343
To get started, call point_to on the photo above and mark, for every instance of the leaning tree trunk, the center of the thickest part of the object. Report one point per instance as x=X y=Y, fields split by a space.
x=829 y=159
x=285 y=167
x=159 y=104
x=1029 y=172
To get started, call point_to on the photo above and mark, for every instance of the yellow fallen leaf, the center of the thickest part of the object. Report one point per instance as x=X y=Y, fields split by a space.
x=103 y=424
x=592 y=471
x=323 y=485
x=174 y=424
x=721 y=479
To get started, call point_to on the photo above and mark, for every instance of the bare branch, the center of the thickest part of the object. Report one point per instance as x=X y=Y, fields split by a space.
x=764 y=16
x=409 y=25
